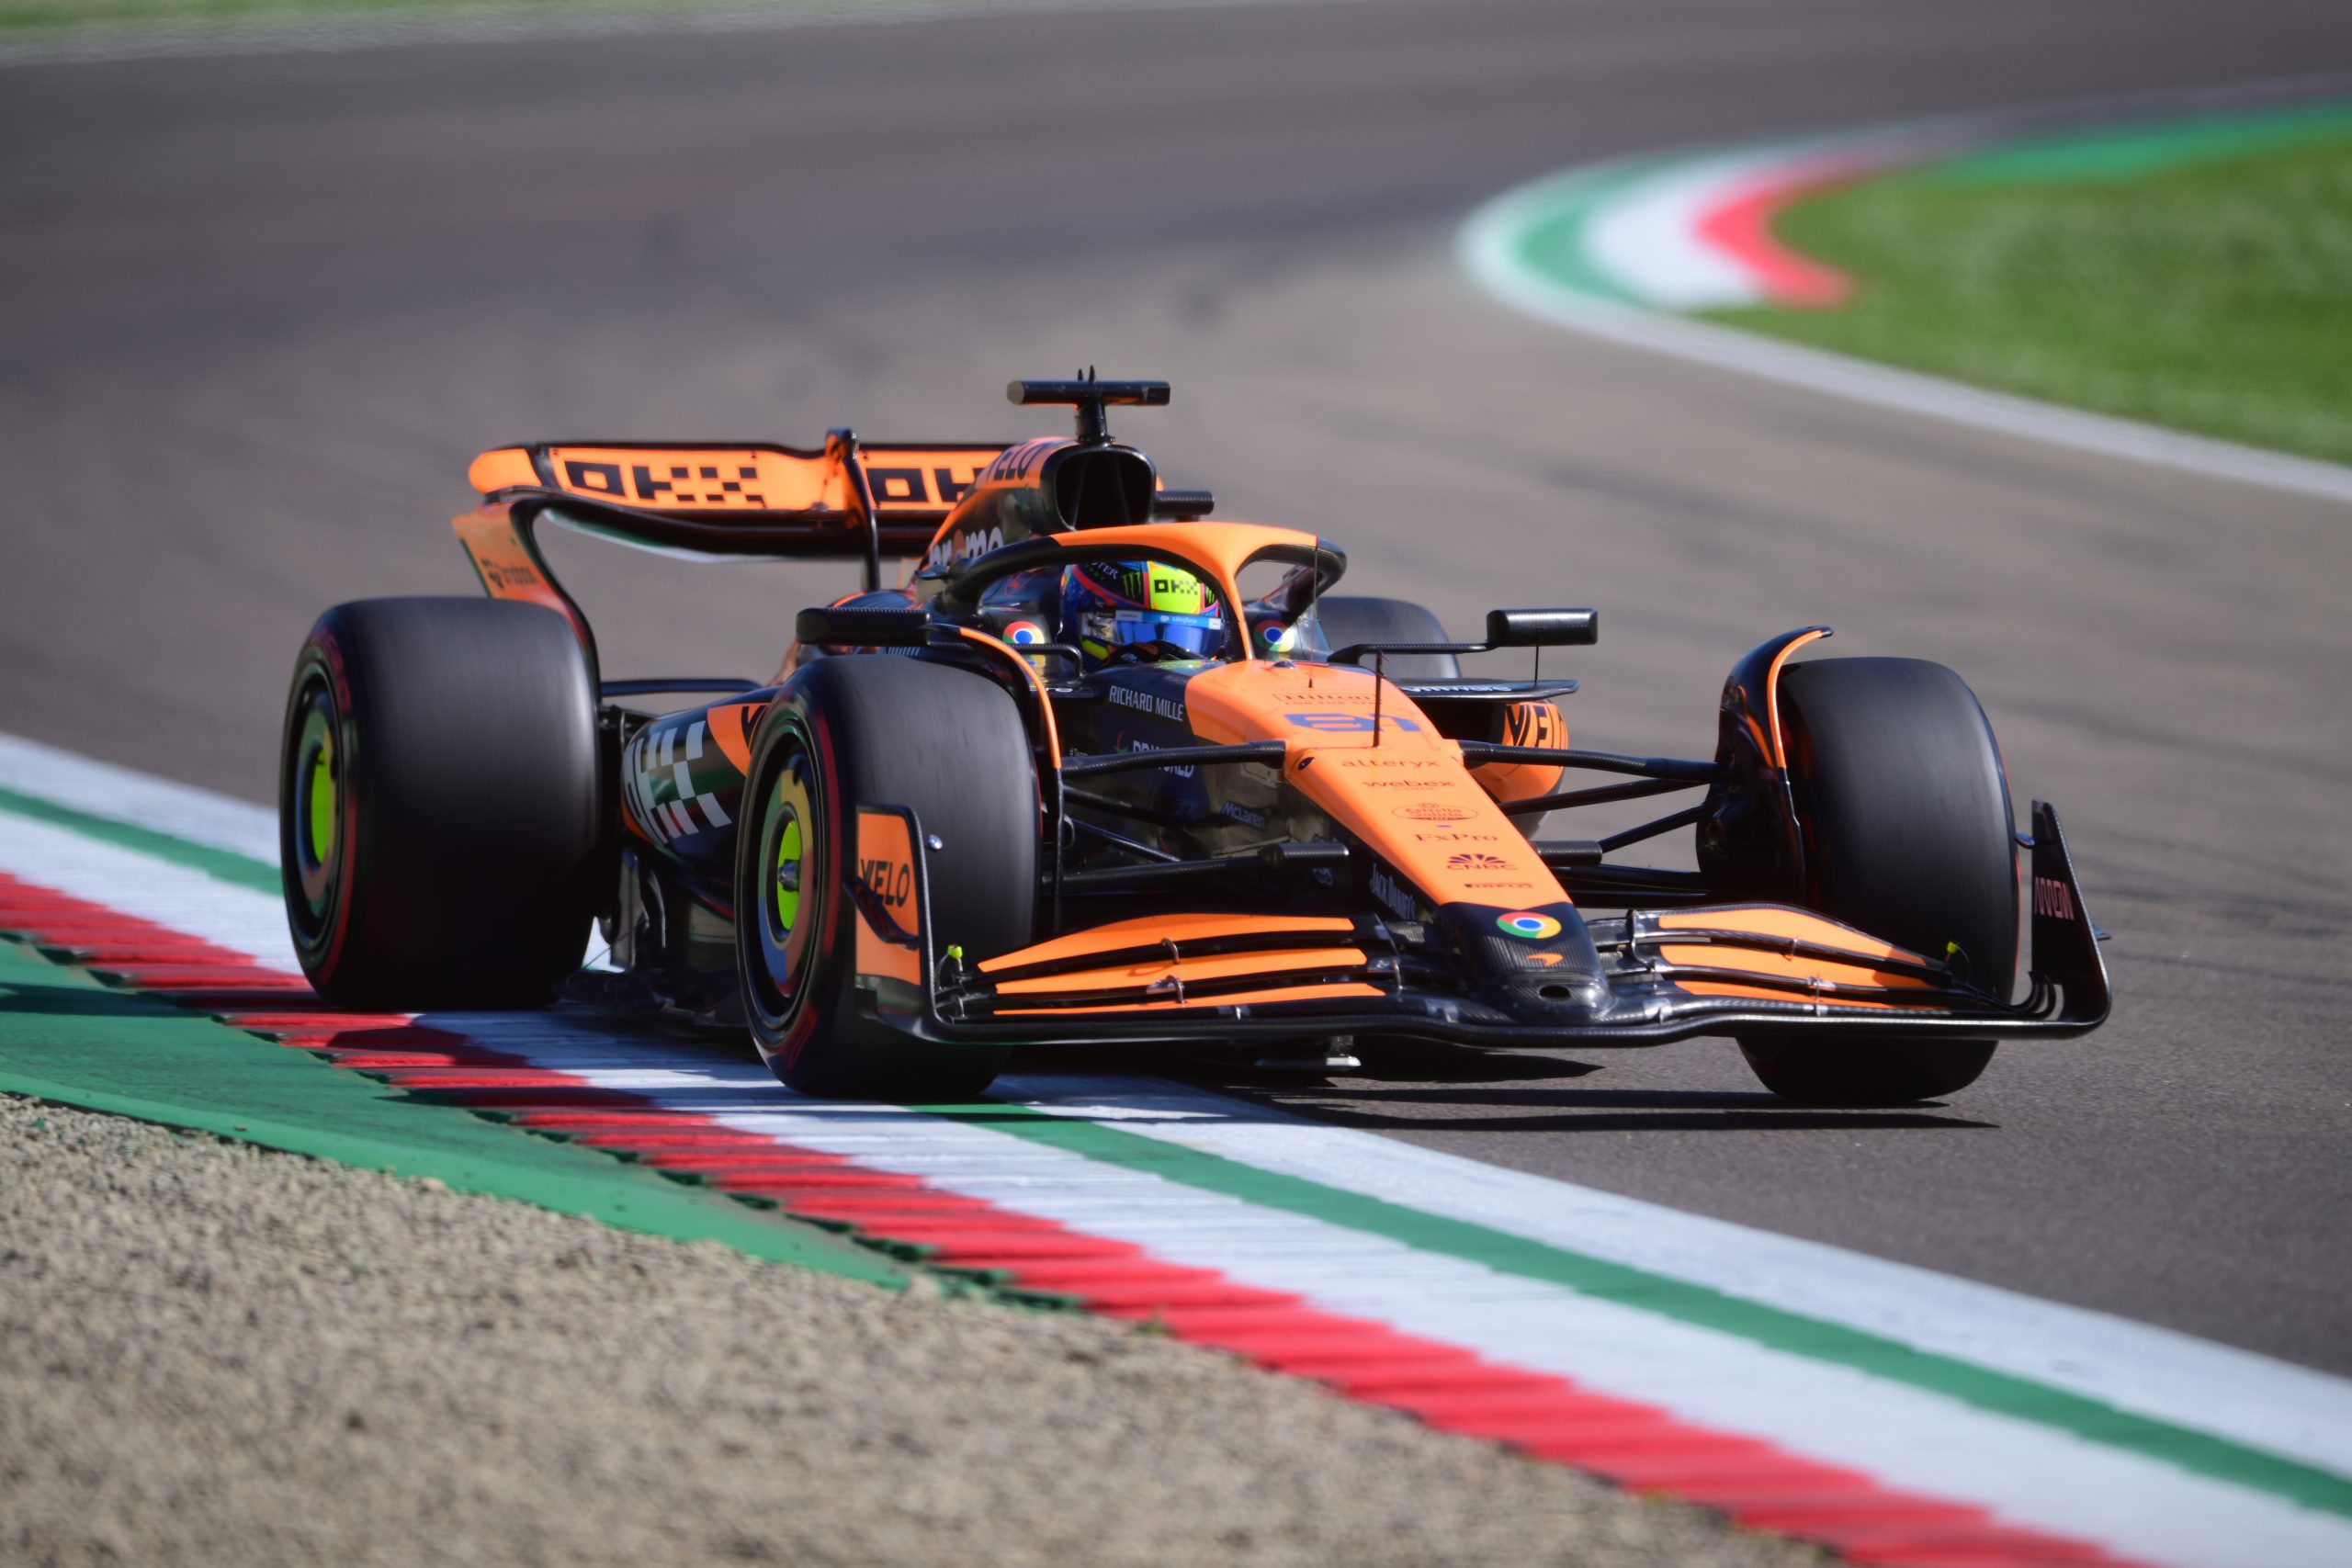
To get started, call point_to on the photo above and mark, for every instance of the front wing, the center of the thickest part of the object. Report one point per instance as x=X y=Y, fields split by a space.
x=1734 y=968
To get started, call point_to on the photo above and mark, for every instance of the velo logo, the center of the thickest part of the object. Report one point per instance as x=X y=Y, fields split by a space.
x=892 y=881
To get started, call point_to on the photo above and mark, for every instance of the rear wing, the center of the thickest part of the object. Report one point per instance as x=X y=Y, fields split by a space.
x=844 y=500
x=847 y=501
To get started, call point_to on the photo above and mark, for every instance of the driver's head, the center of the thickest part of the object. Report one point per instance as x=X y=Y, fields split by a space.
x=1140 y=612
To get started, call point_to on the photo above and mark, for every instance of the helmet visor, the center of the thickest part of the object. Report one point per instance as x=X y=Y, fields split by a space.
x=1201 y=636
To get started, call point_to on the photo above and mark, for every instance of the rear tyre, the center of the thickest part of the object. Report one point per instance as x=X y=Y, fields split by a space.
x=1905 y=809
x=1348 y=620
x=879 y=730
x=439 y=815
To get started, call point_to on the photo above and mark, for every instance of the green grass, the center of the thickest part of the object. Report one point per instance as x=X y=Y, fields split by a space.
x=67 y=13
x=2194 y=277
x=60 y=12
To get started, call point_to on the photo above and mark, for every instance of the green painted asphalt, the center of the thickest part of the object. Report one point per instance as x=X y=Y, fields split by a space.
x=1548 y=224
x=64 y=1038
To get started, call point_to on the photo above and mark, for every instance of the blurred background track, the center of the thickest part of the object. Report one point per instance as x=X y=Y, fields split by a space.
x=257 y=313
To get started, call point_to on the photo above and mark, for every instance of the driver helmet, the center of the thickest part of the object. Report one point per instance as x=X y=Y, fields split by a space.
x=1140 y=612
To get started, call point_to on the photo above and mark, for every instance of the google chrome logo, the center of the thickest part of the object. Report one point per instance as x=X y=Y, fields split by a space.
x=1527 y=925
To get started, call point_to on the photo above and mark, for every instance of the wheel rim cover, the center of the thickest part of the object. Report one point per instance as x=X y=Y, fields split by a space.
x=318 y=804
x=790 y=853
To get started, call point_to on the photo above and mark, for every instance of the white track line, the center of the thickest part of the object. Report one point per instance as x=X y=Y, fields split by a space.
x=175 y=896
x=142 y=800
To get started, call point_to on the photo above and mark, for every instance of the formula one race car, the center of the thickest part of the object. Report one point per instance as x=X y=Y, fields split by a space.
x=1103 y=772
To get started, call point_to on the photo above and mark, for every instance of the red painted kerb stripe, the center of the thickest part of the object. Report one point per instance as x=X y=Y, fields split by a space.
x=1740 y=225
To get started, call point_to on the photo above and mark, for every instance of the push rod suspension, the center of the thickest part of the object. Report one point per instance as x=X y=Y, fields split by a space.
x=1567 y=800
x=1476 y=751
x=1652 y=830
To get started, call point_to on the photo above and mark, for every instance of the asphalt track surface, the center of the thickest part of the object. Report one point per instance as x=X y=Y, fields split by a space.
x=256 y=314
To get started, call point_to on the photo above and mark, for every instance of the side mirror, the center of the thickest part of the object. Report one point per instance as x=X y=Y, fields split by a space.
x=1543 y=629
x=850 y=628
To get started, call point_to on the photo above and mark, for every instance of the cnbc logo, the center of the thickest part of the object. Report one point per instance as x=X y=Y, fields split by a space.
x=1477 y=862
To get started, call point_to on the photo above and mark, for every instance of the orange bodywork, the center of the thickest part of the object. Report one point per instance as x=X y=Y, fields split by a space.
x=737 y=478
x=1536 y=723
x=1349 y=991
x=885 y=862
x=731 y=726
x=507 y=567
x=1778 y=924
x=1401 y=788
x=1188 y=971
x=1772 y=687
x=1151 y=930
x=507 y=467
x=1824 y=973
x=1769 y=926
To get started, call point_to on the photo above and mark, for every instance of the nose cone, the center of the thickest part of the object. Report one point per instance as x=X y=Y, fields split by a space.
x=1533 y=963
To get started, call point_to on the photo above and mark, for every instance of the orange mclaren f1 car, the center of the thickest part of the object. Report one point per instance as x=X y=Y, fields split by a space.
x=1103 y=770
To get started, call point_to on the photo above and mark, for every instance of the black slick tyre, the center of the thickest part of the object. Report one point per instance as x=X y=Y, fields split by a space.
x=1348 y=619
x=878 y=729
x=1908 y=835
x=440 y=821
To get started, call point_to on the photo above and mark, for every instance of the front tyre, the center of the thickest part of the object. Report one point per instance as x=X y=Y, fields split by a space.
x=440 y=821
x=1905 y=811
x=878 y=729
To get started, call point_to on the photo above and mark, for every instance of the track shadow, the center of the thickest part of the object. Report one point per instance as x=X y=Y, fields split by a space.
x=1404 y=1073
x=1606 y=1110
x=37 y=1000
x=1519 y=1091
x=1411 y=1064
